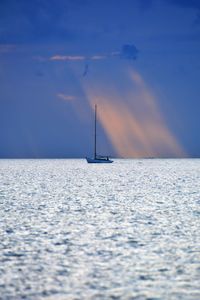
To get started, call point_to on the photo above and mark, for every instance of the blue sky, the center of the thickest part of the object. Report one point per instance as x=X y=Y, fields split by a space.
x=139 y=60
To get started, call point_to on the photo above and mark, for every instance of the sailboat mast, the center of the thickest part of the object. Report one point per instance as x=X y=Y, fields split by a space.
x=95 y=132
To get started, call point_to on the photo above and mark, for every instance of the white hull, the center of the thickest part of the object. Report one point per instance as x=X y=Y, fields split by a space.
x=98 y=160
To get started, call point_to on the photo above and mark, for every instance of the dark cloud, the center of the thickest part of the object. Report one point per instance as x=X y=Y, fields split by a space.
x=38 y=20
x=4 y=48
x=186 y=3
x=39 y=74
x=195 y=4
x=129 y=52
x=86 y=69
x=145 y=4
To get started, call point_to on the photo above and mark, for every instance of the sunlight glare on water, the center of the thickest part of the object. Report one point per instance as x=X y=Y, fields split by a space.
x=127 y=230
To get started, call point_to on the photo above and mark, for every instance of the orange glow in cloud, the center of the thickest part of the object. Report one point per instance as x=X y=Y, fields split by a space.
x=134 y=123
x=98 y=57
x=66 y=97
x=76 y=57
x=68 y=57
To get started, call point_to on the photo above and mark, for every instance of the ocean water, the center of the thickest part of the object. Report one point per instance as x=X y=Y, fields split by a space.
x=127 y=230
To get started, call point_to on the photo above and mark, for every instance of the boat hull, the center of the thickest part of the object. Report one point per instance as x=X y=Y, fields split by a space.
x=98 y=160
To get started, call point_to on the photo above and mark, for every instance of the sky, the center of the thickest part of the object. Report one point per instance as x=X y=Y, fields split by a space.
x=138 y=60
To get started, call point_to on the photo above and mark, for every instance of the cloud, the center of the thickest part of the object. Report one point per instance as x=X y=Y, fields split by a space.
x=37 y=21
x=98 y=57
x=86 y=69
x=129 y=52
x=185 y=3
x=133 y=122
x=7 y=48
x=66 y=97
x=145 y=4
x=78 y=57
x=39 y=73
x=40 y=58
x=194 y=4
x=68 y=57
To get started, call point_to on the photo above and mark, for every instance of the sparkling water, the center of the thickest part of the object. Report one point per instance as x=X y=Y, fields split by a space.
x=127 y=230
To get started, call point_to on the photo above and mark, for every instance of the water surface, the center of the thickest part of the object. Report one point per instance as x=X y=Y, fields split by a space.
x=72 y=230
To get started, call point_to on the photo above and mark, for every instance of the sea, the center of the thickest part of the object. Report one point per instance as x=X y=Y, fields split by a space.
x=127 y=230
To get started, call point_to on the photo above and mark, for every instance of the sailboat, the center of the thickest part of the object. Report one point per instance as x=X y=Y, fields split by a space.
x=97 y=158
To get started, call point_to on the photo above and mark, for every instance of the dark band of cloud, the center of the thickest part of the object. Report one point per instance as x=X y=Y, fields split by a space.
x=128 y=51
